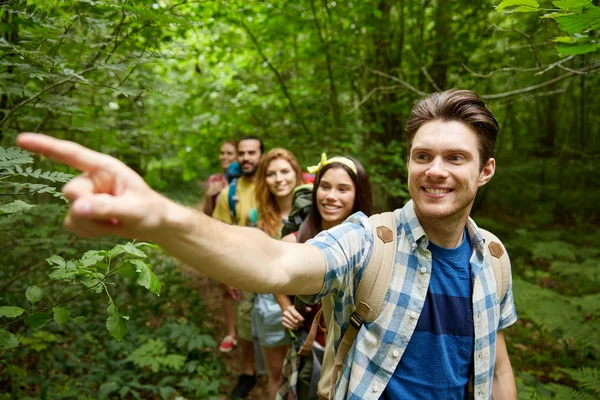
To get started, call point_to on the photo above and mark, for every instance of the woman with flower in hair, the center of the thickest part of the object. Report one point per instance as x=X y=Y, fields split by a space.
x=341 y=188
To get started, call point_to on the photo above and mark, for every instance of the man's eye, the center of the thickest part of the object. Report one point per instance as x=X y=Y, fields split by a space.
x=456 y=158
x=420 y=156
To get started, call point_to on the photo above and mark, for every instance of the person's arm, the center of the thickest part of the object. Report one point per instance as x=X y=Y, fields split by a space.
x=292 y=319
x=110 y=198
x=503 y=386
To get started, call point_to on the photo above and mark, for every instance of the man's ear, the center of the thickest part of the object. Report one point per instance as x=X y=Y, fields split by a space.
x=487 y=172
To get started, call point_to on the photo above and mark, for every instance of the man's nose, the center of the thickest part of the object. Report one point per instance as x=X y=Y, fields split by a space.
x=437 y=168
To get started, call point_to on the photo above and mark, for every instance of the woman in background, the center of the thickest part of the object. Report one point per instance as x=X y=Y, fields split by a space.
x=341 y=189
x=216 y=182
x=279 y=173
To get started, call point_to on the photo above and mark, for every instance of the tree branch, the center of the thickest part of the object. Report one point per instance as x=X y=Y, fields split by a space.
x=589 y=69
x=371 y=93
x=400 y=81
x=35 y=96
x=277 y=75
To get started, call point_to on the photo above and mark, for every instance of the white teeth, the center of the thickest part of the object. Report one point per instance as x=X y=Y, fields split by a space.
x=437 y=191
x=330 y=207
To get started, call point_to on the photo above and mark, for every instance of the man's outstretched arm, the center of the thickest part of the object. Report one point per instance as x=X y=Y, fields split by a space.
x=110 y=198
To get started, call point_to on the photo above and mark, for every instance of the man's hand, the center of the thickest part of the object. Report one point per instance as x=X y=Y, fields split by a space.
x=108 y=198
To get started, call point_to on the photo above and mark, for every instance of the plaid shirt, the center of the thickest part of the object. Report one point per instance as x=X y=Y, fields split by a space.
x=379 y=346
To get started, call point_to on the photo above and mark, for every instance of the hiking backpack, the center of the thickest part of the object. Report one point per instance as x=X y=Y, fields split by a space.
x=301 y=204
x=370 y=295
x=232 y=173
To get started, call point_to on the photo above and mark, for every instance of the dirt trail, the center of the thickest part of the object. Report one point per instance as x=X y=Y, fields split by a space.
x=210 y=293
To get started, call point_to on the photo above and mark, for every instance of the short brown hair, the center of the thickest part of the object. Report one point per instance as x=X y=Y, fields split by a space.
x=457 y=105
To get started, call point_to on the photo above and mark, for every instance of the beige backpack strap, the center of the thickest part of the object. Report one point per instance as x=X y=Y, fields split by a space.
x=500 y=262
x=312 y=334
x=374 y=284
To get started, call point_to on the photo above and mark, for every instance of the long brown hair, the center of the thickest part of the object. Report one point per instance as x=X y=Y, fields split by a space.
x=269 y=214
x=363 y=199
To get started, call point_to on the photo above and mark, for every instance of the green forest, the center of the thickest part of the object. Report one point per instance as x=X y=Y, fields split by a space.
x=160 y=84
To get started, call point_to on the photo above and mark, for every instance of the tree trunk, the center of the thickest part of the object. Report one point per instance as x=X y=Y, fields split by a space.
x=443 y=33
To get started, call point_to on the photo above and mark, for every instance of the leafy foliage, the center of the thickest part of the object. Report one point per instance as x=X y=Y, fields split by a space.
x=575 y=17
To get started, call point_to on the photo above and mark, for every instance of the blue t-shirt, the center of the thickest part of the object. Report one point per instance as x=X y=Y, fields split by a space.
x=437 y=362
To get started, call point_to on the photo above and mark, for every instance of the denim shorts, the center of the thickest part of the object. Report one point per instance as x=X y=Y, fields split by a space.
x=268 y=317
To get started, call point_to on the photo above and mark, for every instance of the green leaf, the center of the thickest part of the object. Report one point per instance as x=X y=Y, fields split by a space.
x=126 y=269
x=92 y=257
x=577 y=23
x=56 y=260
x=37 y=320
x=554 y=15
x=566 y=50
x=564 y=39
x=34 y=294
x=115 y=323
x=7 y=340
x=571 y=4
x=14 y=207
x=509 y=6
x=107 y=388
x=61 y=315
x=79 y=320
x=130 y=249
x=10 y=311
x=146 y=277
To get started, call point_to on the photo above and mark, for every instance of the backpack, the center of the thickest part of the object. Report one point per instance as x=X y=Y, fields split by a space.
x=232 y=173
x=370 y=295
x=301 y=204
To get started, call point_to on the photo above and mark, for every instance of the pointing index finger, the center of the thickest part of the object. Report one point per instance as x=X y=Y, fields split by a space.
x=64 y=151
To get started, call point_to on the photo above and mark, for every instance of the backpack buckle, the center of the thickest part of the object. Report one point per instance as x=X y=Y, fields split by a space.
x=356 y=320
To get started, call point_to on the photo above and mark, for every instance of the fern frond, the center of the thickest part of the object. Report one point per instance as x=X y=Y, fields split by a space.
x=14 y=207
x=561 y=314
x=567 y=393
x=38 y=174
x=13 y=156
x=589 y=269
x=36 y=188
x=588 y=378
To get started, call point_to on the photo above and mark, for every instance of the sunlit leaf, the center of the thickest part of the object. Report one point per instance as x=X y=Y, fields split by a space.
x=56 y=260
x=571 y=4
x=11 y=311
x=61 y=315
x=577 y=23
x=34 y=294
x=508 y=6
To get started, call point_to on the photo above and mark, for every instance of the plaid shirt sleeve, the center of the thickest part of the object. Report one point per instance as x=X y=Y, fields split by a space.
x=346 y=249
x=508 y=313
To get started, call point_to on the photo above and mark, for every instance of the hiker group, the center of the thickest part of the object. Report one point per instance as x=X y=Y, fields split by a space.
x=408 y=304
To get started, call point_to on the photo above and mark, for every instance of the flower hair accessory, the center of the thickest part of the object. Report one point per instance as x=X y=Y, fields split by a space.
x=324 y=161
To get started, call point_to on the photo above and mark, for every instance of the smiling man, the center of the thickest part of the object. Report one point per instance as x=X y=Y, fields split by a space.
x=233 y=207
x=439 y=333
